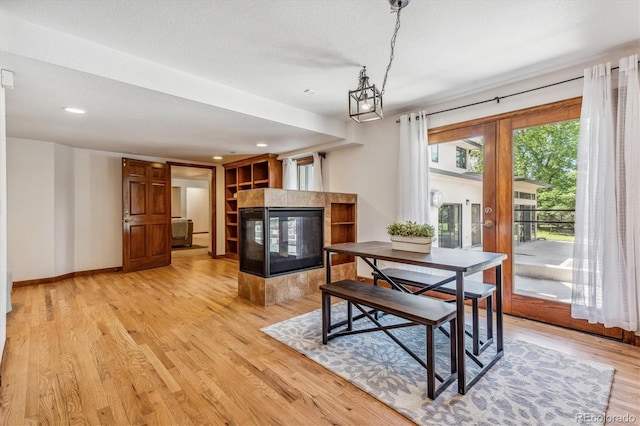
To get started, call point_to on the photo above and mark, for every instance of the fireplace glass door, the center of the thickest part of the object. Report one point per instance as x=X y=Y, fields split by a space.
x=277 y=241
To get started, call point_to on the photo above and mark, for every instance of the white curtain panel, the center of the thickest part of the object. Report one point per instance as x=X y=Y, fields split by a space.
x=413 y=169
x=628 y=189
x=316 y=173
x=289 y=173
x=607 y=237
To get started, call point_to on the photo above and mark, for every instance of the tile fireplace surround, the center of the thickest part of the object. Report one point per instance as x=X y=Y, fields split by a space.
x=269 y=291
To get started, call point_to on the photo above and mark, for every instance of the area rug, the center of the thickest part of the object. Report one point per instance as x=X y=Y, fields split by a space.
x=530 y=385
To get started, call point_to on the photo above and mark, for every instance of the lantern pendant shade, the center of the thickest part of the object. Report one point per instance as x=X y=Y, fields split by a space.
x=365 y=103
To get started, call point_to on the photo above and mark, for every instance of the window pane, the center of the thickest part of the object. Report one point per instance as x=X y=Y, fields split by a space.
x=461 y=158
x=434 y=153
x=304 y=177
x=543 y=218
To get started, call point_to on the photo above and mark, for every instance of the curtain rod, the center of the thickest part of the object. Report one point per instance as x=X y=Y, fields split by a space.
x=497 y=98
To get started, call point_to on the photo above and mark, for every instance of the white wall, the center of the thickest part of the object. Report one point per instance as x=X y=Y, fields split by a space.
x=30 y=208
x=198 y=208
x=369 y=170
x=98 y=209
x=64 y=209
x=3 y=222
x=176 y=201
x=183 y=185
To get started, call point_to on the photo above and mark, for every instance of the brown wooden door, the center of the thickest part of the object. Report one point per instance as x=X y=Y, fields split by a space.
x=146 y=215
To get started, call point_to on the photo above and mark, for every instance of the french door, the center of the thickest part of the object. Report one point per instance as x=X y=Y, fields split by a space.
x=521 y=163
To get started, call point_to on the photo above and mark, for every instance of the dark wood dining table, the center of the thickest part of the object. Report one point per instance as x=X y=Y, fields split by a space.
x=462 y=262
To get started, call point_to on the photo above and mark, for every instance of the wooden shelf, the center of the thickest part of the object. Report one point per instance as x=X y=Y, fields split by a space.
x=340 y=259
x=262 y=171
x=343 y=229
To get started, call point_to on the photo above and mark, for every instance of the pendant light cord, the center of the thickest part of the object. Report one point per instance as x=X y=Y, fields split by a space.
x=393 y=45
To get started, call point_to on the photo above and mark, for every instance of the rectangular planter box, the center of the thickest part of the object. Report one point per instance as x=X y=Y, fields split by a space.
x=415 y=244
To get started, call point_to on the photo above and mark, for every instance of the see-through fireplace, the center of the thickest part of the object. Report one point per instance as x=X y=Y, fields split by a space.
x=281 y=240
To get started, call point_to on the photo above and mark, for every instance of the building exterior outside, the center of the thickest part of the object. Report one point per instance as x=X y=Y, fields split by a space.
x=456 y=172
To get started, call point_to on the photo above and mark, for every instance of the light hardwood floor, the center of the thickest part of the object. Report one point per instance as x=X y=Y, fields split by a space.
x=175 y=345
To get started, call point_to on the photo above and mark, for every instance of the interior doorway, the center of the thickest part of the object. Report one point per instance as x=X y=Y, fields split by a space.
x=193 y=214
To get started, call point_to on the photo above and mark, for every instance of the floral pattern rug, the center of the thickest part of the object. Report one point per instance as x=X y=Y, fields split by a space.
x=530 y=385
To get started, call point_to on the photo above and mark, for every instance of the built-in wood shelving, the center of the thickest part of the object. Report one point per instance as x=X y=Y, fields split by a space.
x=263 y=171
x=343 y=228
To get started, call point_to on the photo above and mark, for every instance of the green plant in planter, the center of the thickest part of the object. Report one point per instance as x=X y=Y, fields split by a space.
x=410 y=229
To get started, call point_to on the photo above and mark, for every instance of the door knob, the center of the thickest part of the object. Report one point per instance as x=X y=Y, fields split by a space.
x=488 y=222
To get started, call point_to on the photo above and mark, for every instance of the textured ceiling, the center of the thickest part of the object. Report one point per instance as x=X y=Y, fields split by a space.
x=275 y=50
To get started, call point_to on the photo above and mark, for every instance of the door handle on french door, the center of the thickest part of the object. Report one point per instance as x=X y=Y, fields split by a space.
x=488 y=222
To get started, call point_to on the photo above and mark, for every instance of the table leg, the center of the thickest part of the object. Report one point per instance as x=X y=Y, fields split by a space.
x=462 y=380
x=328 y=264
x=326 y=317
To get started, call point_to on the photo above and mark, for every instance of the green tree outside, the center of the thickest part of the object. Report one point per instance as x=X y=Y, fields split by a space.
x=548 y=154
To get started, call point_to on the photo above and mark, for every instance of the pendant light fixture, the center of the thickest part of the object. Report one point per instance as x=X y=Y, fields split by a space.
x=365 y=102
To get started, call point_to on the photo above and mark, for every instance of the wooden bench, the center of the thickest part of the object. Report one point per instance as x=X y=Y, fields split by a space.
x=473 y=290
x=417 y=310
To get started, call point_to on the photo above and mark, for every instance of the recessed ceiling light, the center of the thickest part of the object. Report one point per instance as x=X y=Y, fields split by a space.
x=75 y=110
x=217 y=157
x=261 y=145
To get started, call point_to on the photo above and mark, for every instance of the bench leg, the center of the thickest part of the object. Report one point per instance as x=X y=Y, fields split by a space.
x=326 y=316
x=490 y=317
x=475 y=326
x=349 y=316
x=375 y=283
x=453 y=346
x=431 y=374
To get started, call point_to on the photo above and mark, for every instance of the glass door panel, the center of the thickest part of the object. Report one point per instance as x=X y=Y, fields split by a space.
x=537 y=150
x=544 y=191
x=462 y=174
x=456 y=172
